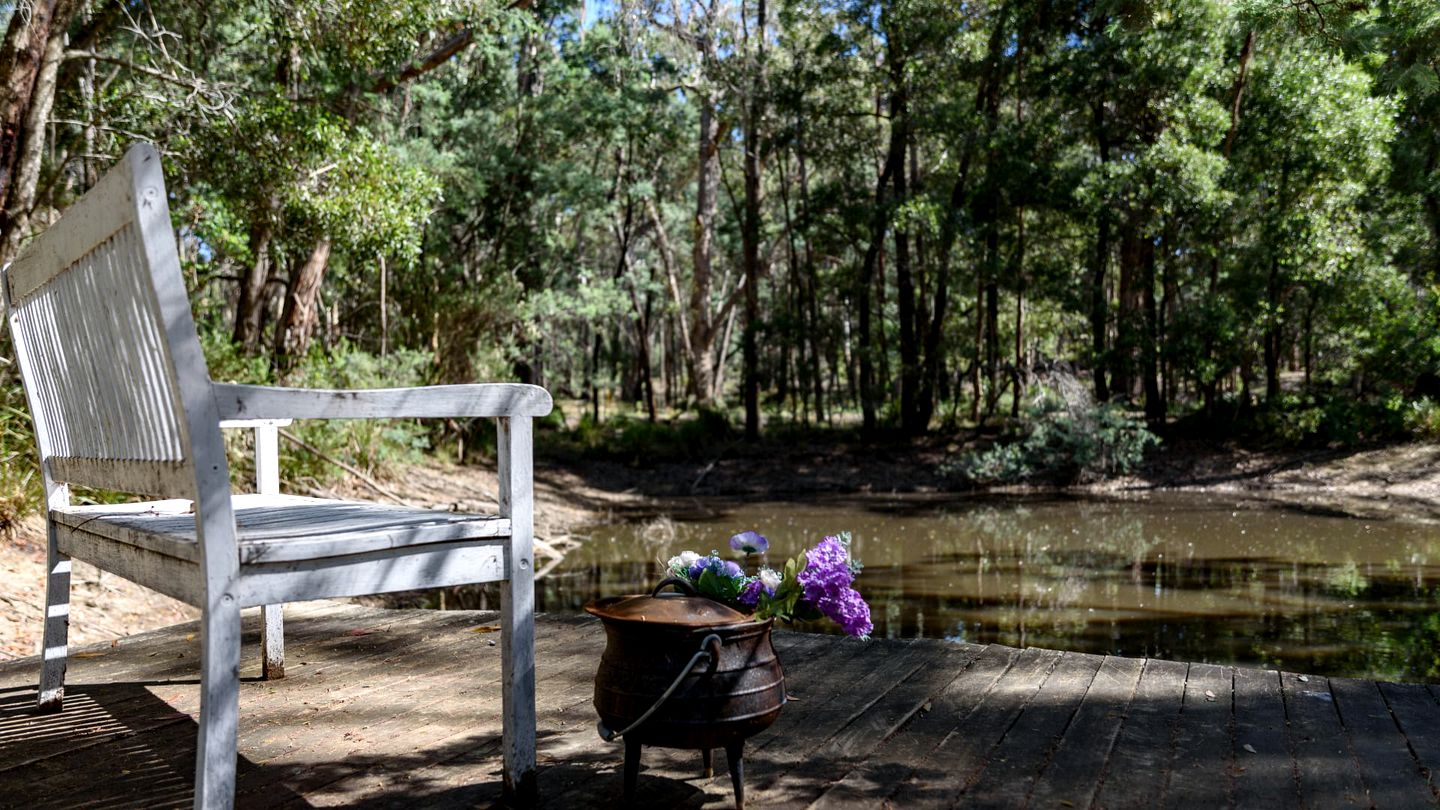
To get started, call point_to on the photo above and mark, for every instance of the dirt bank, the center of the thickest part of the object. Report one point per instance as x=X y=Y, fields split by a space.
x=1390 y=482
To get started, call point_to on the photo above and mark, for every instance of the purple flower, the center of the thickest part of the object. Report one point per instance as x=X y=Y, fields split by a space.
x=750 y=597
x=726 y=568
x=750 y=542
x=827 y=570
x=848 y=609
x=697 y=568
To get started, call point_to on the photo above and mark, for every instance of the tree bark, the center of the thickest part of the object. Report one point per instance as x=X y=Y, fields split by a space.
x=879 y=225
x=1237 y=92
x=1150 y=347
x=1272 y=334
x=904 y=280
x=933 y=363
x=250 y=307
x=702 y=330
x=30 y=58
x=1099 y=301
x=297 y=321
x=750 y=232
x=1122 y=354
x=1020 y=372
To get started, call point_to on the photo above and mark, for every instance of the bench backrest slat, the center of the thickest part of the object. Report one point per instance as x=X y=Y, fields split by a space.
x=97 y=348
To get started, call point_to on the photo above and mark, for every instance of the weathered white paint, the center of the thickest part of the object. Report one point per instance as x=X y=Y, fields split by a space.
x=267 y=482
x=121 y=398
x=373 y=572
x=436 y=401
x=517 y=611
x=277 y=528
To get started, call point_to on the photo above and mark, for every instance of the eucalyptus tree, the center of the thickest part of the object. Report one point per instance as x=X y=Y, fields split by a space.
x=1158 y=126
x=1313 y=147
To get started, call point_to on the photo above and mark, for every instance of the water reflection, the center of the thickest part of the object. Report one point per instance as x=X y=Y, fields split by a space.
x=1179 y=577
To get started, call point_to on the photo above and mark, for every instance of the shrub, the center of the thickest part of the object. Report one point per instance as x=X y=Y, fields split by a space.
x=21 y=489
x=1422 y=418
x=374 y=446
x=1065 y=444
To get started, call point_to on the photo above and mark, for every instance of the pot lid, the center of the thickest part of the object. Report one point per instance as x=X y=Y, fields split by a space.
x=672 y=609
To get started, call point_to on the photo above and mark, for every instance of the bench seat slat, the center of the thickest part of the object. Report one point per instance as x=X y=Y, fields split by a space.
x=282 y=528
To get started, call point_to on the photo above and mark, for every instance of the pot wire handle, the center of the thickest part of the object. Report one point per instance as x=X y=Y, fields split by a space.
x=681 y=585
x=704 y=654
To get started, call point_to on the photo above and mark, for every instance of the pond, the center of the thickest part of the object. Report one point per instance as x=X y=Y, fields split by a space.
x=1182 y=577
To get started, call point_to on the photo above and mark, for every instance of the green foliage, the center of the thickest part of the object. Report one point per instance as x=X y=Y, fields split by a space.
x=632 y=438
x=1251 y=187
x=372 y=445
x=22 y=491
x=1422 y=419
x=1063 y=445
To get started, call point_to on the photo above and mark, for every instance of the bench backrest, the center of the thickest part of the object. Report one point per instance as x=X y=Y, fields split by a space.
x=106 y=343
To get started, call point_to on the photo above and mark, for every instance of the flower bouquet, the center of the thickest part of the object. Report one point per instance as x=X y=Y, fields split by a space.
x=815 y=584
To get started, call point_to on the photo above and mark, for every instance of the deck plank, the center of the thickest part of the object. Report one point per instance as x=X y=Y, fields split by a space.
x=1324 y=765
x=953 y=767
x=1264 y=762
x=895 y=760
x=399 y=709
x=1391 y=774
x=1030 y=743
x=1201 y=771
x=1139 y=763
x=772 y=762
x=871 y=725
x=1418 y=715
x=1072 y=776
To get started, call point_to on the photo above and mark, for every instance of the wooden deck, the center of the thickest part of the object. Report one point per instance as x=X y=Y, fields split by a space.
x=398 y=709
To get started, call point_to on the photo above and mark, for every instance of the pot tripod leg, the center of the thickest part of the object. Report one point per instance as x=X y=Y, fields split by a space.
x=708 y=762
x=735 y=755
x=632 y=767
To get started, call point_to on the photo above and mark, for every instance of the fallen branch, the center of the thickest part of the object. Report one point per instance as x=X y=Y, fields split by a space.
x=350 y=468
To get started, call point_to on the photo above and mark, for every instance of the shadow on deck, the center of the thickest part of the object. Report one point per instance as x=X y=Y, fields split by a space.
x=386 y=708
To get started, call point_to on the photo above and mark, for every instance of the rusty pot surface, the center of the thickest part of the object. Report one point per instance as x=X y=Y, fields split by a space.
x=650 y=640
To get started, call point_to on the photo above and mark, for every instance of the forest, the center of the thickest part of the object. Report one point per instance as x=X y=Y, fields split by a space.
x=1057 y=219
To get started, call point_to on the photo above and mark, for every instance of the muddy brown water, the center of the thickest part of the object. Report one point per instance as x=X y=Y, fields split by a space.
x=1181 y=577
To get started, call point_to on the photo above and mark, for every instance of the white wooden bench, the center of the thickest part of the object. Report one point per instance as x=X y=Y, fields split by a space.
x=122 y=400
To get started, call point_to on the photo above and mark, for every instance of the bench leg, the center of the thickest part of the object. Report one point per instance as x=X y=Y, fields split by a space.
x=272 y=640
x=219 y=705
x=517 y=653
x=517 y=614
x=57 y=627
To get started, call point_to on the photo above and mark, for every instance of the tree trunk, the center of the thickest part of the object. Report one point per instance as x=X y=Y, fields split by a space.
x=297 y=320
x=992 y=339
x=250 y=307
x=702 y=330
x=750 y=232
x=30 y=59
x=989 y=303
x=1432 y=203
x=1272 y=334
x=1150 y=348
x=879 y=224
x=904 y=281
x=1237 y=92
x=810 y=294
x=1099 y=301
x=932 y=374
x=1122 y=354
x=1019 y=373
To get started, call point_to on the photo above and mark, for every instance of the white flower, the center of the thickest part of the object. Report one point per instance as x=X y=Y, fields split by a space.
x=683 y=560
x=770 y=578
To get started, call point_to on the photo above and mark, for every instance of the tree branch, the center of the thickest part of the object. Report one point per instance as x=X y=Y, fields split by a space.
x=454 y=44
x=190 y=84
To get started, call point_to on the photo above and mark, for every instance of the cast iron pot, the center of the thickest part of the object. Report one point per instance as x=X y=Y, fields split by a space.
x=684 y=671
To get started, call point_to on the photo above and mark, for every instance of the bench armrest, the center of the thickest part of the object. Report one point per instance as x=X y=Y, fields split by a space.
x=435 y=401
